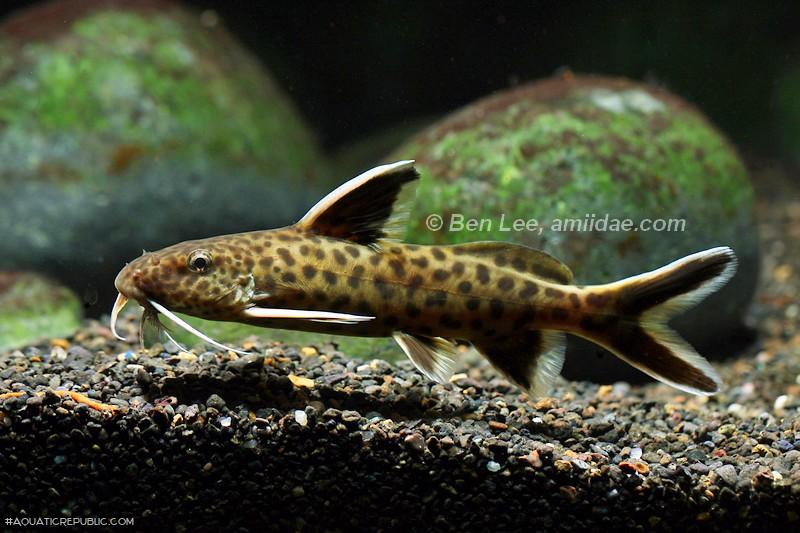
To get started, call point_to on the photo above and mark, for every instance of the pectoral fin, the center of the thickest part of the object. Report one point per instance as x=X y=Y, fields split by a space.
x=532 y=359
x=433 y=356
x=301 y=314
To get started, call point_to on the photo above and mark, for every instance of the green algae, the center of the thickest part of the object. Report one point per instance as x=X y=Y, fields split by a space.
x=570 y=148
x=33 y=308
x=158 y=81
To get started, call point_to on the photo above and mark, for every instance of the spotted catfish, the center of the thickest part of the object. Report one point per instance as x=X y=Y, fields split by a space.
x=342 y=269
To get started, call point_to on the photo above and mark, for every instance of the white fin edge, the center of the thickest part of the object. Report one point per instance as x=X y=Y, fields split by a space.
x=435 y=362
x=183 y=324
x=347 y=187
x=549 y=363
x=300 y=314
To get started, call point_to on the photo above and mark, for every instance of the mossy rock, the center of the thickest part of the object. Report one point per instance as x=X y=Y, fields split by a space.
x=131 y=125
x=574 y=146
x=34 y=308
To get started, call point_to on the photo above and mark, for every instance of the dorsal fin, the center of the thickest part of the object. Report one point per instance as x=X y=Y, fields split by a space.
x=366 y=208
x=520 y=258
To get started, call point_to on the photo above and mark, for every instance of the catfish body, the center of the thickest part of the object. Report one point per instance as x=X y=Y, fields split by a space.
x=340 y=270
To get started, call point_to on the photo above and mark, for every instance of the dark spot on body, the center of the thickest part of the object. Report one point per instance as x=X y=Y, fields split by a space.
x=415 y=281
x=553 y=293
x=496 y=308
x=319 y=254
x=440 y=274
x=483 y=274
x=309 y=272
x=574 y=300
x=384 y=289
x=528 y=290
x=438 y=254
x=397 y=267
x=412 y=310
x=505 y=284
x=518 y=264
x=258 y=249
x=597 y=299
x=319 y=295
x=391 y=321
x=340 y=301
x=465 y=287
x=458 y=268
x=363 y=307
x=559 y=314
x=449 y=322
x=352 y=250
x=525 y=318
x=476 y=324
x=421 y=261
x=339 y=257
x=374 y=259
x=289 y=277
x=284 y=237
x=249 y=263
x=473 y=304
x=396 y=250
x=286 y=256
x=353 y=282
x=304 y=250
x=489 y=333
x=330 y=277
x=500 y=260
x=436 y=298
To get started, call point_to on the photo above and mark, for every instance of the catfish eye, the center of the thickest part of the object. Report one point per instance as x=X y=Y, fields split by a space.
x=199 y=260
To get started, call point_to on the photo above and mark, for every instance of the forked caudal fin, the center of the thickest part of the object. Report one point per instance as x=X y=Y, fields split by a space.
x=636 y=330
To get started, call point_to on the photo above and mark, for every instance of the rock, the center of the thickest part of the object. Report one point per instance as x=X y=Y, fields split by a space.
x=583 y=147
x=34 y=308
x=215 y=401
x=119 y=112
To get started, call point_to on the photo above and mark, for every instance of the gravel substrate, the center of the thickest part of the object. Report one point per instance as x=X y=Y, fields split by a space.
x=305 y=438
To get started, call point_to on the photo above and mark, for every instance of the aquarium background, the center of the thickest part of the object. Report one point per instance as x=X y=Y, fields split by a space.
x=131 y=124
x=346 y=87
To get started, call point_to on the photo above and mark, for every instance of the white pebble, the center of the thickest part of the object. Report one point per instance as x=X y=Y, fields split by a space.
x=780 y=403
x=492 y=466
x=225 y=421
x=301 y=417
x=636 y=453
x=736 y=409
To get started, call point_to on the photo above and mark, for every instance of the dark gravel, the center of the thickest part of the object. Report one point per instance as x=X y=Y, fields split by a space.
x=304 y=438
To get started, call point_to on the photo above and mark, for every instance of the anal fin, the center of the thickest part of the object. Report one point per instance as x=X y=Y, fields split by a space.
x=533 y=359
x=433 y=356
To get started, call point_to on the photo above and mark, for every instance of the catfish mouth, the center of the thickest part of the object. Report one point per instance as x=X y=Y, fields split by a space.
x=152 y=311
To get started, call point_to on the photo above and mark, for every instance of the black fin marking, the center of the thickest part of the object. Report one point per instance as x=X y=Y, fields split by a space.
x=366 y=208
x=532 y=359
x=646 y=302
